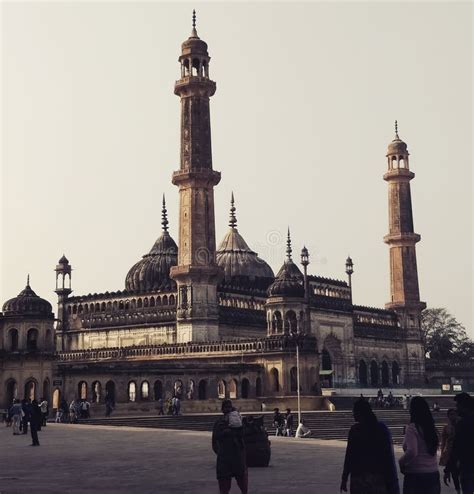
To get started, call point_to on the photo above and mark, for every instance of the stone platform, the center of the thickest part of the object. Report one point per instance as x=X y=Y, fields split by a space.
x=75 y=459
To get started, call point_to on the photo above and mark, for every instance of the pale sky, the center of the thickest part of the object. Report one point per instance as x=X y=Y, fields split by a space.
x=306 y=98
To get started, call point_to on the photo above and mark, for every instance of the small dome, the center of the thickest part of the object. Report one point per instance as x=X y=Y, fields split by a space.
x=194 y=44
x=397 y=146
x=240 y=263
x=63 y=260
x=288 y=282
x=27 y=303
x=152 y=272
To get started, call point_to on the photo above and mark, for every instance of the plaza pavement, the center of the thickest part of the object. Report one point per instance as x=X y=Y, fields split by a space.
x=106 y=459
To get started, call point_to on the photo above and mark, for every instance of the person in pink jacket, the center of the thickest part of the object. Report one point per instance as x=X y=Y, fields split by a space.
x=419 y=463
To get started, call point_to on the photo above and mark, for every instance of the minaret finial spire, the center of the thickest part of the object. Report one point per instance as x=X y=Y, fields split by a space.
x=396 y=129
x=164 y=216
x=288 y=246
x=233 y=219
x=28 y=280
x=194 y=33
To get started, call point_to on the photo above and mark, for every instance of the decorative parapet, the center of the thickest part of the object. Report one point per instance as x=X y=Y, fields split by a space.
x=273 y=344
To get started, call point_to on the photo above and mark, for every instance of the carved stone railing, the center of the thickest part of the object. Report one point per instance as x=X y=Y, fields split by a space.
x=273 y=344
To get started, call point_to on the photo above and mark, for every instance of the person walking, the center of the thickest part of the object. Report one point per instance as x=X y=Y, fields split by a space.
x=44 y=411
x=369 y=459
x=419 y=463
x=228 y=444
x=16 y=414
x=462 y=453
x=288 y=423
x=447 y=439
x=109 y=406
x=35 y=422
x=160 y=407
x=26 y=407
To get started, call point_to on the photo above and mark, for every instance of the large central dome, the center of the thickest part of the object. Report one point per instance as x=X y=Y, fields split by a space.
x=152 y=272
x=27 y=303
x=242 y=266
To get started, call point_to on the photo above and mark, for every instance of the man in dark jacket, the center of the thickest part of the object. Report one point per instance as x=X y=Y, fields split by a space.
x=228 y=444
x=462 y=454
x=36 y=418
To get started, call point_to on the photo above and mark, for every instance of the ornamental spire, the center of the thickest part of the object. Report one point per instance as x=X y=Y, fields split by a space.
x=288 y=246
x=396 y=130
x=233 y=219
x=194 y=33
x=164 y=216
x=28 y=280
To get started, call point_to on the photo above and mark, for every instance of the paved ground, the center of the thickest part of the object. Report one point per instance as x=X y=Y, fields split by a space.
x=80 y=459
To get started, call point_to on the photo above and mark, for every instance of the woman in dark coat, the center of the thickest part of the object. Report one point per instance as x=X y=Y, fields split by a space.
x=228 y=444
x=369 y=461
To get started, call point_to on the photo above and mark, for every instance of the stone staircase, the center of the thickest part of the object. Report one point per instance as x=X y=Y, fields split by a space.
x=323 y=424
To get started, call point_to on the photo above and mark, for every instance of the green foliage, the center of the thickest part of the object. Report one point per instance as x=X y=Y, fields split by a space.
x=444 y=337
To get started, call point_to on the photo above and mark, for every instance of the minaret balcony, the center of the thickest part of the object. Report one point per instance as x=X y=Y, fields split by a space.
x=193 y=85
x=402 y=239
x=399 y=174
x=200 y=177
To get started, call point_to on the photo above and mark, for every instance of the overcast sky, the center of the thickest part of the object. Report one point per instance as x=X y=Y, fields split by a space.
x=304 y=109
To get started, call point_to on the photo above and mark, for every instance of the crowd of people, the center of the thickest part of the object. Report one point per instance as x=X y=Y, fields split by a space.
x=370 y=464
x=27 y=413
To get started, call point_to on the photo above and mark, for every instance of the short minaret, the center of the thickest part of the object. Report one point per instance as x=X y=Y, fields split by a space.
x=63 y=290
x=405 y=294
x=197 y=274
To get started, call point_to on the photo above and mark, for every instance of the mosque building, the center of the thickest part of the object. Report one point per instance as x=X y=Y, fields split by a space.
x=205 y=323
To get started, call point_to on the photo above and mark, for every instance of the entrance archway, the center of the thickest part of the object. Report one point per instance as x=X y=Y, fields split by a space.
x=374 y=373
x=385 y=374
x=202 y=390
x=233 y=389
x=110 y=391
x=395 y=373
x=293 y=380
x=158 y=390
x=363 y=373
x=12 y=391
x=30 y=390
x=245 y=388
x=275 y=380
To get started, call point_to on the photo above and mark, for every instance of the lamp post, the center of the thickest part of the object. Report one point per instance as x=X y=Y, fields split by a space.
x=349 y=271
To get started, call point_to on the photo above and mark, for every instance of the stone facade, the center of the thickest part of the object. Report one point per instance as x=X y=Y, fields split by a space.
x=205 y=323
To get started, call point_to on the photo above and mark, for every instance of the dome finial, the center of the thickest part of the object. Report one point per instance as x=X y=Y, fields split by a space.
x=164 y=216
x=396 y=130
x=288 y=246
x=28 y=280
x=194 y=33
x=233 y=219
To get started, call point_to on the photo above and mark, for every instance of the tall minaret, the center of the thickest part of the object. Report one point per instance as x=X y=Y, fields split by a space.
x=63 y=290
x=405 y=294
x=197 y=273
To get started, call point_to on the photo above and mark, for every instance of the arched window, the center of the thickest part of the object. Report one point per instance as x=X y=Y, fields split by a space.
x=132 y=391
x=374 y=373
x=13 y=340
x=145 y=390
x=362 y=373
x=326 y=360
x=82 y=390
x=32 y=340
x=277 y=322
x=293 y=380
x=275 y=380
x=258 y=387
x=172 y=300
x=12 y=391
x=202 y=390
x=233 y=389
x=152 y=301
x=30 y=390
x=385 y=374
x=110 y=391
x=165 y=300
x=158 y=390
x=395 y=373
x=245 y=388
x=191 y=391
x=291 y=323
x=221 y=391
x=56 y=398
x=46 y=389
x=96 y=392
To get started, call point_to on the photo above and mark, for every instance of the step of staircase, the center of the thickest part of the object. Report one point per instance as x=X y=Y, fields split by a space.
x=323 y=424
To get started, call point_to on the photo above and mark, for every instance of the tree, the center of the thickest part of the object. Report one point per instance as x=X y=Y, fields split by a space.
x=444 y=337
